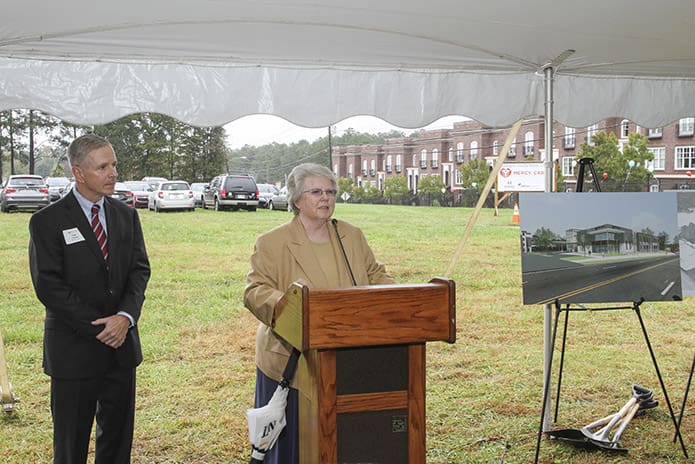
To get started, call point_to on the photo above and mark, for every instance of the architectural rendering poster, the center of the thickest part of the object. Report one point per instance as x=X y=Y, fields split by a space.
x=686 y=225
x=600 y=247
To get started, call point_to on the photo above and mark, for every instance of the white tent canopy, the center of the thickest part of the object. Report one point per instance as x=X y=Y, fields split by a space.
x=208 y=62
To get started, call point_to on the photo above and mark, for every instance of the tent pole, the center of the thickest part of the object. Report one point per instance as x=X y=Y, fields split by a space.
x=547 y=309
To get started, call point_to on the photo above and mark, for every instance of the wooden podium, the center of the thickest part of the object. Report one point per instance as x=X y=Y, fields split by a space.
x=362 y=369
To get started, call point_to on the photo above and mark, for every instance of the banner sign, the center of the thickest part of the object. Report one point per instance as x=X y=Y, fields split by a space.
x=521 y=177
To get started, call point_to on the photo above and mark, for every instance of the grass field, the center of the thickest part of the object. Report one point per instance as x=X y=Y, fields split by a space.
x=484 y=392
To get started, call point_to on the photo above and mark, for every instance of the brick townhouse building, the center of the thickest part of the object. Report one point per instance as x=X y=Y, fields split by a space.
x=442 y=152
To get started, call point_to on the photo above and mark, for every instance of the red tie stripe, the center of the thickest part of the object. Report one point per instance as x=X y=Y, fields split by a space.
x=99 y=232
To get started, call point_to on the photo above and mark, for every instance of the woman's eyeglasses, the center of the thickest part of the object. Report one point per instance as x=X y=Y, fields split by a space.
x=318 y=193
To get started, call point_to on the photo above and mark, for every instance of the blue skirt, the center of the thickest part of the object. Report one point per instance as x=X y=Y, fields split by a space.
x=286 y=449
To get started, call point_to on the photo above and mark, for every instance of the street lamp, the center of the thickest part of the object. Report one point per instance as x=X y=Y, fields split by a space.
x=650 y=173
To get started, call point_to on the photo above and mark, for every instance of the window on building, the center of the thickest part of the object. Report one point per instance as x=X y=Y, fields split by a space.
x=435 y=158
x=458 y=180
x=686 y=127
x=624 y=128
x=591 y=131
x=350 y=170
x=364 y=167
x=659 y=161
x=495 y=147
x=512 y=150
x=685 y=157
x=451 y=154
x=528 y=143
x=423 y=158
x=389 y=163
x=568 y=164
x=459 y=152
x=372 y=168
x=655 y=133
x=335 y=170
x=399 y=164
x=474 y=150
x=570 y=137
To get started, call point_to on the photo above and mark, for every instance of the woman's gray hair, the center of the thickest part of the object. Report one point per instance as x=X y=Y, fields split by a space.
x=297 y=178
x=82 y=145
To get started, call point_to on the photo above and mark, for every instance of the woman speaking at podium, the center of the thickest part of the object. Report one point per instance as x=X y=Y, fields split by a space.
x=317 y=251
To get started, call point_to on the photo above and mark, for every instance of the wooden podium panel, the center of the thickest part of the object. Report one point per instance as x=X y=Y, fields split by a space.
x=368 y=315
x=362 y=370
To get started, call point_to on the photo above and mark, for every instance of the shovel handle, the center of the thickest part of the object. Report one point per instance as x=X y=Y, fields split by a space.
x=631 y=413
x=602 y=434
x=600 y=422
x=622 y=412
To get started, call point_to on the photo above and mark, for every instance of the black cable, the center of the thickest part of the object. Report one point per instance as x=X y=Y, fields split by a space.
x=342 y=248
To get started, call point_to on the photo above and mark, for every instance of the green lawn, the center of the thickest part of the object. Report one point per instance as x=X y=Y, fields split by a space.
x=484 y=391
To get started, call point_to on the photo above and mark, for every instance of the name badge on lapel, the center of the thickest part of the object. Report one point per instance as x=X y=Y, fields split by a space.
x=72 y=236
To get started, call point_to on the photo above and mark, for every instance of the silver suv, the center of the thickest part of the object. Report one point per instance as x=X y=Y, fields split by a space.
x=27 y=192
x=231 y=191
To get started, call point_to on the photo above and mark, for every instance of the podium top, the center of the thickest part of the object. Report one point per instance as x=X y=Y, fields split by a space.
x=368 y=315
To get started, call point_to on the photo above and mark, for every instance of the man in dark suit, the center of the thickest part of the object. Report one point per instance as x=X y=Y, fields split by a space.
x=90 y=269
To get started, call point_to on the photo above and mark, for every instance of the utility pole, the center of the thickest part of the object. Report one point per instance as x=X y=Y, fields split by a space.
x=330 y=149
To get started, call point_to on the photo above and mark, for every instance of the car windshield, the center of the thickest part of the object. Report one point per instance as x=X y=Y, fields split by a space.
x=57 y=181
x=26 y=181
x=240 y=183
x=177 y=186
x=143 y=186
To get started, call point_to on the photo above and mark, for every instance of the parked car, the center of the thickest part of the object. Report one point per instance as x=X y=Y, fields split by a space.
x=199 y=193
x=67 y=188
x=56 y=185
x=123 y=193
x=279 y=200
x=154 y=181
x=265 y=193
x=25 y=192
x=232 y=191
x=172 y=194
x=141 y=192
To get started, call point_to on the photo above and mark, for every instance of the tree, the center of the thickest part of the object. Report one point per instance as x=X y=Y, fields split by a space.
x=344 y=185
x=543 y=239
x=12 y=130
x=395 y=187
x=474 y=175
x=432 y=186
x=150 y=144
x=627 y=169
x=366 y=192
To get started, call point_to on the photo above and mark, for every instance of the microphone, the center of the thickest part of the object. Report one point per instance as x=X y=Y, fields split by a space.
x=342 y=248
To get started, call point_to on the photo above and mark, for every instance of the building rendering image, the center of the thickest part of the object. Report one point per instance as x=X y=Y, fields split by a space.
x=600 y=247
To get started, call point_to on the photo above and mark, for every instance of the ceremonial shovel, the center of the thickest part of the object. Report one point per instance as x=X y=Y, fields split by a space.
x=590 y=436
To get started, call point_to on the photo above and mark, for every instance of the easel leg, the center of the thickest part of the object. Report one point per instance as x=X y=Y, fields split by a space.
x=562 y=364
x=685 y=398
x=546 y=390
x=661 y=381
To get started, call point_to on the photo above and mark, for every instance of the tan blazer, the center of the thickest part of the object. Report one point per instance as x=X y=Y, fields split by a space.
x=281 y=257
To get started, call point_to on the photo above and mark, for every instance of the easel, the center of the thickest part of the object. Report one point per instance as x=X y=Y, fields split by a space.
x=558 y=309
x=685 y=397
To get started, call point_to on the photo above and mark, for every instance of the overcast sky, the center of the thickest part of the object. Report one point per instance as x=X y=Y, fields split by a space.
x=258 y=130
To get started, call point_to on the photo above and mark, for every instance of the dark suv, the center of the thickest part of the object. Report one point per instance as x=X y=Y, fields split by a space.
x=231 y=191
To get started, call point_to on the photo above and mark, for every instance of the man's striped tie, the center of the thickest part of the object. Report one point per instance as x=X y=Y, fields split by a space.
x=99 y=231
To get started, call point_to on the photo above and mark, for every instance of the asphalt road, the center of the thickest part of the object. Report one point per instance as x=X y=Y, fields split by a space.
x=652 y=278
